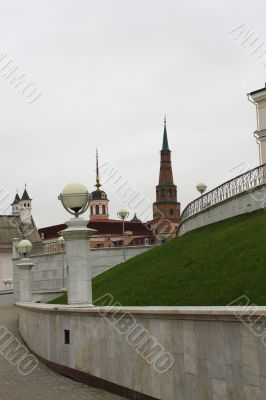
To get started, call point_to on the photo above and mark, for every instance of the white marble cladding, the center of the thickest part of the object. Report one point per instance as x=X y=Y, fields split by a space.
x=215 y=355
x=246 y=202
x=47 y=273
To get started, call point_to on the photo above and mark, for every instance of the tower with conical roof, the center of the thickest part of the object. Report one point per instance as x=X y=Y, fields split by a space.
x=99 y=202
x=15 y=205
x=25 y=208
x=166 y=205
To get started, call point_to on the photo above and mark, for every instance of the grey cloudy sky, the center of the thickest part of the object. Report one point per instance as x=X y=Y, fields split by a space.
x=108 y=71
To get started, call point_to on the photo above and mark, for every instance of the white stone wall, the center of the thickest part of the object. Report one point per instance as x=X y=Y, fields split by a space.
x=6 y=268
x=246 y=202
x=47 y=273
x=6 y=298
x=215 y=355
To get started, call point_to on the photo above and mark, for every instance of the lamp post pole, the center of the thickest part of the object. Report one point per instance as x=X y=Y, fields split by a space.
x=124 y=247
x=75 y=199
x=201 y=188
x=61 y=242
x=25 y=277
x=123 y=214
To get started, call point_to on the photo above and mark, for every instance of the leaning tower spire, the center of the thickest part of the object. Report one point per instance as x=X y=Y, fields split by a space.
x=165 y=145
x=166 y=205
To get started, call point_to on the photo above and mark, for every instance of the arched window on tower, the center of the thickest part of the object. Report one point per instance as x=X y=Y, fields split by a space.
x=104 y=209
x=97 y=209
x=91 y=210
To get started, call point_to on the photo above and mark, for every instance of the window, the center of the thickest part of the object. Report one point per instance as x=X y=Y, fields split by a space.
x=103 y=196
x=97 y=209
x=171 y=211
x=91 y=210
x=104 y=209
x=67 y=336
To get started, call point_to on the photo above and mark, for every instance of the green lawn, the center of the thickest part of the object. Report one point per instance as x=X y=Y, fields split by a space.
x=210 y=266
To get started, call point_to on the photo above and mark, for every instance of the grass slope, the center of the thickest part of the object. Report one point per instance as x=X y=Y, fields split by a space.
x=210 y=266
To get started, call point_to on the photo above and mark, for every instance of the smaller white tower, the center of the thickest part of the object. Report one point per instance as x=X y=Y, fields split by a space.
x=15 y=205
x=258 y=97
x=25 y=208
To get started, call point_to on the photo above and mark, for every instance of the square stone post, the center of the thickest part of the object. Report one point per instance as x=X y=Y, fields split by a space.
x=25 y=279
x=15 y=243
x=77 y=237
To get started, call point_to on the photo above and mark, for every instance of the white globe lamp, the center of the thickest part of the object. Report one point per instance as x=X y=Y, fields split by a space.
x=75 y=198
x=24 y=247
x=201 y=188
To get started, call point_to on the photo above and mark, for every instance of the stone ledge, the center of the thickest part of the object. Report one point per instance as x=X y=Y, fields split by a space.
x=218 y=313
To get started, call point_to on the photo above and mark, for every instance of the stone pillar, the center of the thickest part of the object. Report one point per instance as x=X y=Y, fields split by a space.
x=25 y=278
x=15 y=243
x=77 y=237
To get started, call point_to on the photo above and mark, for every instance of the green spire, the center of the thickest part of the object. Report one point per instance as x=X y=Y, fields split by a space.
x=165 y=139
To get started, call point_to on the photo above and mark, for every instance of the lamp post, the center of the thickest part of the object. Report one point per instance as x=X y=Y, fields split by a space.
x=25 y=266
x=61 y=242
x=123 y=214
x=201 y=188
x=75 y=199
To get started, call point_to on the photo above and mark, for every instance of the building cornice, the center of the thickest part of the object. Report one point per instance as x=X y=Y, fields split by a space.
x=260 y=134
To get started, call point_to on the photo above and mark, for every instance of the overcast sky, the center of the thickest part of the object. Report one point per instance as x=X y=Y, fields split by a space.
x=108 y=71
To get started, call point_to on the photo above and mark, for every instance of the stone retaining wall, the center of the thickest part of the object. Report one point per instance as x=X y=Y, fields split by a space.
x=215 y=355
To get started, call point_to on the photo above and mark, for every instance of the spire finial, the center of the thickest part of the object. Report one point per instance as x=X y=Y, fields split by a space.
x=165 y=139
x=98 y=185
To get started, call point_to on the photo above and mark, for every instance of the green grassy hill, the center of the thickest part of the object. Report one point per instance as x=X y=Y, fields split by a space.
x=210 y=266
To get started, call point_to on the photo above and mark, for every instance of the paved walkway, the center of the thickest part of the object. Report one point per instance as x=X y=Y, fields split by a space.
x=42 y=384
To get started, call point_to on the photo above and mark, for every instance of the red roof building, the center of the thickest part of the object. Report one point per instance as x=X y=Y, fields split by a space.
x=109 y=233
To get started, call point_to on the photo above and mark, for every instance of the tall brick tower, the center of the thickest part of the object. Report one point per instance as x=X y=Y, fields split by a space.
x=166 y=205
